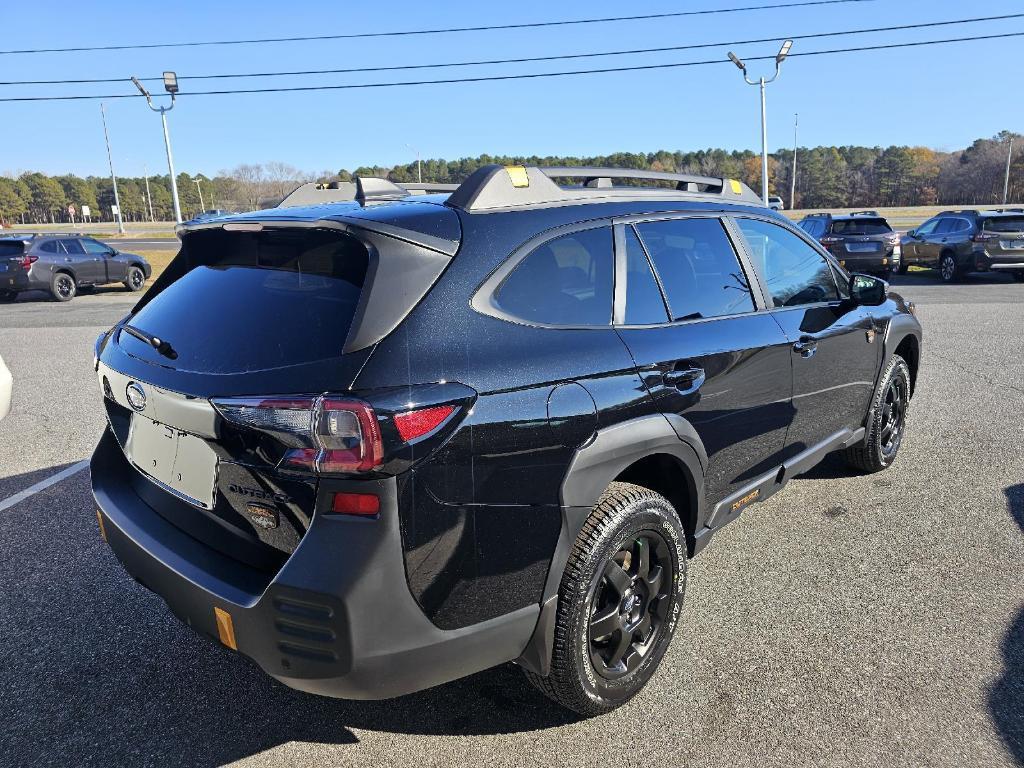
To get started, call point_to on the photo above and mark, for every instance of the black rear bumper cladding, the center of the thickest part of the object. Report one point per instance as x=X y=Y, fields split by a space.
x=338 y=619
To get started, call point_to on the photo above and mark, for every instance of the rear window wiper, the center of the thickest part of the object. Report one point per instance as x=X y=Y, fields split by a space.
x=160 y=345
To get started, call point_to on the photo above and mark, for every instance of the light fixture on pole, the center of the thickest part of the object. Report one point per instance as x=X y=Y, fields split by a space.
x=762 y=82
x=171 y=86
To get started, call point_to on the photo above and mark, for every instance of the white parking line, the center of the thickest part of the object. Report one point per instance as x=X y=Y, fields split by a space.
x=42 y=485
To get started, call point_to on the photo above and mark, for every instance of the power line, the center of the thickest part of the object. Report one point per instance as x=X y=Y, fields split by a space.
x=526 y=76
x=438 y=31
x=532 y=59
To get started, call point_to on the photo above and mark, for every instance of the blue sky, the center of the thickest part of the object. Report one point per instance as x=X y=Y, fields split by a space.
x=889 y=97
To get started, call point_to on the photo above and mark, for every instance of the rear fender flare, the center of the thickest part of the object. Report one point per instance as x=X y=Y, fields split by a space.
x=591 y=471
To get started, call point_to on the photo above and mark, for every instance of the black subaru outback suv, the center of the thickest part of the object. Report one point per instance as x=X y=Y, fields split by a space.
x=861 y=241
x=380 y=444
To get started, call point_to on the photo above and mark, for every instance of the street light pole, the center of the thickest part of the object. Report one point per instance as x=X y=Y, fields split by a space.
x=1006 y=179
x=419 y=165
x=149 y=199
x=792 y=179
x=113 y=178
x=762 y=82
x=202 y=205
x=171 y=86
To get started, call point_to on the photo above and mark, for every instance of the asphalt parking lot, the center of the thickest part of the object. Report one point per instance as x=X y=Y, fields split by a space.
x=850 y=620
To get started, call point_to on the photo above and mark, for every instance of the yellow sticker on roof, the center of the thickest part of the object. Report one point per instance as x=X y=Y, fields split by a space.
x=518 y=175
x=737 y=188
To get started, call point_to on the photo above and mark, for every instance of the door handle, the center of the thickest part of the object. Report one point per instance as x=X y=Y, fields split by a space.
x=685 y=379
x=807 y=346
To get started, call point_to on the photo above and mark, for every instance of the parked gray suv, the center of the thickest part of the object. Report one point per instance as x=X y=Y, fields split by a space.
x=61 y=264
x=957 y=242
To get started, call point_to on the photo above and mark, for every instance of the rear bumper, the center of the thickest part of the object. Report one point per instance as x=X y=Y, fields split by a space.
x=1012 y=262
x=885 y=260
x=337 y=620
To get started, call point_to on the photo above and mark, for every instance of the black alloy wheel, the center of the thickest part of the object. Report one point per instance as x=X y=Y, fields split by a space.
x=630 y=605
x=135 y=279
x=63 y=287
x=894 y=415
x=947 y=268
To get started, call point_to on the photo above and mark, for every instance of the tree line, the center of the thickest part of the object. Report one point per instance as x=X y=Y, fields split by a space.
x=826 y=177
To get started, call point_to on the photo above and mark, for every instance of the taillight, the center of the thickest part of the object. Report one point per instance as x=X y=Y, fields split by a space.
x=320 y=434
x=27 y=261
x=983 y=237
x=827 y=241
x=334 y=434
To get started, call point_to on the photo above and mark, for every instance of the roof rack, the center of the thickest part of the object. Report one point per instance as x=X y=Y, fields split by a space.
x=364 y=189
x=496 y=187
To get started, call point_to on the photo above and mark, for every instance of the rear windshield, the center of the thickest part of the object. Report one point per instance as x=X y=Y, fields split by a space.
x=860 y=226
x=1005 y=224
x=261 y=300
x=11 y=248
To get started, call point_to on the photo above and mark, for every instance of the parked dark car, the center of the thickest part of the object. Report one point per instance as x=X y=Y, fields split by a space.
x=958 y=242
x=62 y=264
x=381 y=444
x=862 y=241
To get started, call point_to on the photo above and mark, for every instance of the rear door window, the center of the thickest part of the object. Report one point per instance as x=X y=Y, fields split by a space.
x=73 y=247
x=51 y=246
x=255 y=301
x=565 y=281
x=644 y=302
x=697 y=267
x=795 y=273
x=945 y=226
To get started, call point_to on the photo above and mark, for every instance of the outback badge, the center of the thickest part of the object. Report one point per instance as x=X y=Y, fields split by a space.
x=263 y=516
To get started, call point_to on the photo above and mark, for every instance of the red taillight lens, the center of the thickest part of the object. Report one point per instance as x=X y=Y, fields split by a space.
x=827 y=241
x=28 y=261
x=983 y=237
x=414 y=424
x=365 y=504
x=319 y=434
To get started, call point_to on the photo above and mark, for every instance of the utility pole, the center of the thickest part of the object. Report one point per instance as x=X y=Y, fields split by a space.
x=202 y=205
x=149 y=200
x=419 y=165
x=113 y=178
x=792 y=179
x=171 y=86
x=1006 y=180
x=762 y=82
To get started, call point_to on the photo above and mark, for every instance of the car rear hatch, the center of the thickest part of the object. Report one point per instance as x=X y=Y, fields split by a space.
x=260 y=320
x=12 y=262
x=861 y=238
x=1003 y=236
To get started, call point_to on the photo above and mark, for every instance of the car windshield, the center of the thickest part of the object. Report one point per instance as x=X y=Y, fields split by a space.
x=860 y=226
x=1005 y=224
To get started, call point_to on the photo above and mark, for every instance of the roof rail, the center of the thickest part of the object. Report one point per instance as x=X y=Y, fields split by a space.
x=496 y=187
x=864 y=213
x=363 y=189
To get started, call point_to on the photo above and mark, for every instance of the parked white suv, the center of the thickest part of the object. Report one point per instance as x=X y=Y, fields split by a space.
x=775 y=203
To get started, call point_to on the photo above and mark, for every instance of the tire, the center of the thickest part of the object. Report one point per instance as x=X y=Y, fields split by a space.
x=605 y=577
x=1018 y=276
x=63 y=287
x=887 y=421
x=948 y=269
x=6 y=296
x=135 y=280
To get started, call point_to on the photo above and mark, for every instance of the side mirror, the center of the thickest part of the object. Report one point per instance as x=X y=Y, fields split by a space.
x=867 y=290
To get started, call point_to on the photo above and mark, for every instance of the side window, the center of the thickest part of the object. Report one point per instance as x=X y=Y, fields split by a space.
x=945 y=226
x=644 y=303
x=95 y=248
x=73 y=247
x=566 y=281
x=795 y=273
x=928 y=228
x=698 y=268
x=51 y=246
x=963 y=225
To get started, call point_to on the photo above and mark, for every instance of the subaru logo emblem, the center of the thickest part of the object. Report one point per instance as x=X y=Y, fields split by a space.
x=136 y=397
